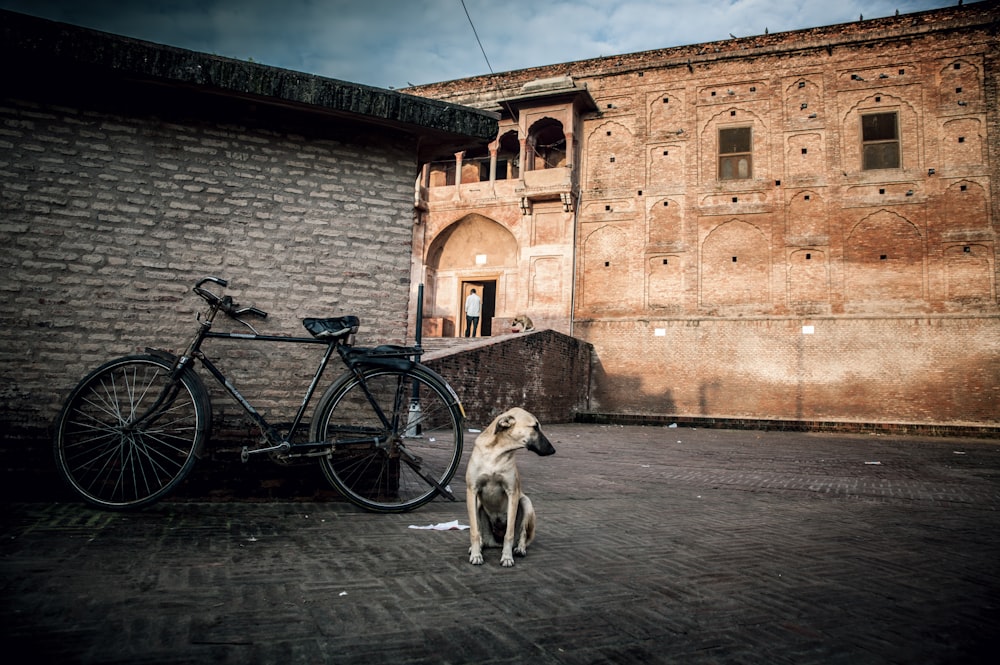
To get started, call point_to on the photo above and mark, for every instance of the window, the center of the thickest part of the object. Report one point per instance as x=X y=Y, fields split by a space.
x=735 y=153
x=879 y=141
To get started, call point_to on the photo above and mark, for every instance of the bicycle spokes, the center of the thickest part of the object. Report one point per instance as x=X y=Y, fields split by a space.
x=396 y=439
x=129 y=433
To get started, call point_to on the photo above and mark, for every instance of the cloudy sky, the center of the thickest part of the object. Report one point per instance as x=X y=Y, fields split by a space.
x=393 y=43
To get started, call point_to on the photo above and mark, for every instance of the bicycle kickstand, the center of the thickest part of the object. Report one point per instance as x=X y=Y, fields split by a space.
x=414 y=463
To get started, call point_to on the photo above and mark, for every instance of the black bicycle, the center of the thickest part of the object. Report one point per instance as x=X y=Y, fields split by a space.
x=387 y=433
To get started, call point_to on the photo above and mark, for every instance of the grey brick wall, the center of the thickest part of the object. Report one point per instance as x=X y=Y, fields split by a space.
x=113 y=203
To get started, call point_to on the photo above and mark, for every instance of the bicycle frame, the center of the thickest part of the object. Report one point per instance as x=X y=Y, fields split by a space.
x=284 y=444
x=278 y=441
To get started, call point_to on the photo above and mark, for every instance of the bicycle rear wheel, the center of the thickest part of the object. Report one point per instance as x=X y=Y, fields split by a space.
x=392 y=452
x=128 y=435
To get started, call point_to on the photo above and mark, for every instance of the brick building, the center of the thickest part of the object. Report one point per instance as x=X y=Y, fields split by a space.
x=129 y=170
x=796 y=226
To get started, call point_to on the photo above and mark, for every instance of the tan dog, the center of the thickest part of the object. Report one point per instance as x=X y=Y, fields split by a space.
x=499 y=513
x=523 y=322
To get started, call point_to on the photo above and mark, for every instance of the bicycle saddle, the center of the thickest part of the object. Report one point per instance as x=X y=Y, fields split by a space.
x=335 y=328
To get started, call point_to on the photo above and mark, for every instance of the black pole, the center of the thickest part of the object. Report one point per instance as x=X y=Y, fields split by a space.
x=418 y=337
x=416 y=429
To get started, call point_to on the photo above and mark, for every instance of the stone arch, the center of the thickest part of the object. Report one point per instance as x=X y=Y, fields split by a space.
x=803 y=98
x=508 y=156
x=804 y=154
x=964 y=137
x=808 y=276
x=735 y=264
x=884 y=259
x=806 y=219
x=473 y=248
x=665 y=281
x=606 y=270
x=665 y=166
x=665 y=114
x=964 y=206
x=610 y=162
x=458 y=245
x=958 y=81
x=910 y=144
x=546 y=144
x=666 y=222
x=968 y=273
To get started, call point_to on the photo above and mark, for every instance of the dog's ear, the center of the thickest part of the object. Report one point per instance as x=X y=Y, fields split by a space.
x=505 y=421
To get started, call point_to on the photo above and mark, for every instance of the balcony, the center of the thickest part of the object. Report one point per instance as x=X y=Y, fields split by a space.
x=555 y=181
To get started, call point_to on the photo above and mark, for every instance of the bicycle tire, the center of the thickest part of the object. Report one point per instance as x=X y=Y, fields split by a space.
x=114 y=463
x=390 y=467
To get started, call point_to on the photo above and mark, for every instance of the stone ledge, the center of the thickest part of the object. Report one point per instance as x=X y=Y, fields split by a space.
x=772 y=425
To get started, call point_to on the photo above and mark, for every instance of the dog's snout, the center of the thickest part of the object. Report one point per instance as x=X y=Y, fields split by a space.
x=542 y=446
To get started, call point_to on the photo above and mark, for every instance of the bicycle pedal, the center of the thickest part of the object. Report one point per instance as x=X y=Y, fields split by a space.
x=280 y=449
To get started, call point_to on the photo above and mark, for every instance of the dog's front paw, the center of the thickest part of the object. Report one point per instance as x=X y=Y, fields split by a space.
x=507 y=561
x=476 y=558
x=521 y=550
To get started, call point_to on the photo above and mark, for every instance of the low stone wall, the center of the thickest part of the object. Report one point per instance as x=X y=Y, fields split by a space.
x=543 y=371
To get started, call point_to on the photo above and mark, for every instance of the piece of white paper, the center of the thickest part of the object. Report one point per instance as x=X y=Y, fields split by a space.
x=443 y=526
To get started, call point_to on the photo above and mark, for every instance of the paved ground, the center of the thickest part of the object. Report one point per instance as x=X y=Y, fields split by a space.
x=655 y=545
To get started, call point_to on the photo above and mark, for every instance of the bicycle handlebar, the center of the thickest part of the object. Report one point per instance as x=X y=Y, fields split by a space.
x=225 y=303
x=218 y=280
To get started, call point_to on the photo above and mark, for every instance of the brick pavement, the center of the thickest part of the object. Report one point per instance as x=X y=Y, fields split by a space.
x=655 y=545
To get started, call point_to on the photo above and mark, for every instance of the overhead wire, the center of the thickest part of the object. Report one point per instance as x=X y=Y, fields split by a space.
x=496 y=84
x=503 y=99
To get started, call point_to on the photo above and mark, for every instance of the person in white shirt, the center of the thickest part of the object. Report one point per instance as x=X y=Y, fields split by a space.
x=473 y=307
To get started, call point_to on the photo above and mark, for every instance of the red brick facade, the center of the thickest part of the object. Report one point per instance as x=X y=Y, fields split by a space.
x=799 y=225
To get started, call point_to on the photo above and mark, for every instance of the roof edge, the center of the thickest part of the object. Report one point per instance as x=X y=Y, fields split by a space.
x=38 y=43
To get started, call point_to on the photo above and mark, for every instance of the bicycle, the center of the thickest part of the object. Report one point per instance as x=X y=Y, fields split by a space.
x=387 y=433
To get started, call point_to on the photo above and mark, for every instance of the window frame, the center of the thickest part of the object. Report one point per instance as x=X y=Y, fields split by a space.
x=872 y=160
x=735 y=156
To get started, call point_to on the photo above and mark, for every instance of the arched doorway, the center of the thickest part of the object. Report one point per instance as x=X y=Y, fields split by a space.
x=474 y=252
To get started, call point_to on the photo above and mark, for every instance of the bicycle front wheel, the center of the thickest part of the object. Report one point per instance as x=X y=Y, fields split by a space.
x=396 y=437
x=129 y=434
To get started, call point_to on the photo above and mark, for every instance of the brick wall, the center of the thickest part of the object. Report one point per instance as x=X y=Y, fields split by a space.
x=544 y=371
x=940 y=370
x=808 y=230
x=114 y=201
x=810 y=234
x=896 y=268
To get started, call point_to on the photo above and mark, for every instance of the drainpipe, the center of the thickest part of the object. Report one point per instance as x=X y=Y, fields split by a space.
x=572 y=292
